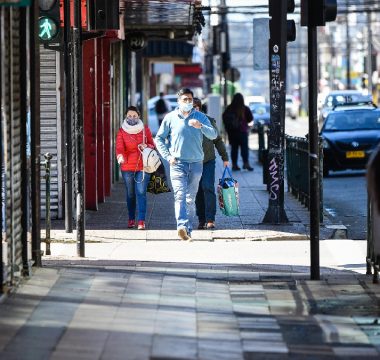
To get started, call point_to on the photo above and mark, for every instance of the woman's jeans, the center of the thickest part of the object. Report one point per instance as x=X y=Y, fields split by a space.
x=237 y=139
x=206 y=199
x=136 y=187
x=185 y=178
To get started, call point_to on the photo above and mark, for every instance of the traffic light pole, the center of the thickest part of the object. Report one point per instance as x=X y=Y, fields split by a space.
x=68 y=178
x=313 y=154
x=314 y=13
x=78 y=124
x=276 y=140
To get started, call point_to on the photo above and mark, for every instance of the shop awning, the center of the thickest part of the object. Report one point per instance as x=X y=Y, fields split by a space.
x=163 y=19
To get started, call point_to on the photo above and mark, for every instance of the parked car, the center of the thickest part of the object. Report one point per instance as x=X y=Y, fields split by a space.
x=152 y=116
x=349 y=134
x=261 y=115
x=337 y=97
x=291 y=107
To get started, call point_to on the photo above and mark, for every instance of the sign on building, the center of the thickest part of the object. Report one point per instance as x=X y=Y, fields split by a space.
x=15 y=3
x=260 y=44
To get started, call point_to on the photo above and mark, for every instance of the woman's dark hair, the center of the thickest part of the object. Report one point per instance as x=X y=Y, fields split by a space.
x=133 y=108
x=237 y=104
x=184 y=91
x=197 y=102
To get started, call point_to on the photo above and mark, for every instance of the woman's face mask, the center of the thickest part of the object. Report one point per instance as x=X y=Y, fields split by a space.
x=132 y=118
x=132 y=121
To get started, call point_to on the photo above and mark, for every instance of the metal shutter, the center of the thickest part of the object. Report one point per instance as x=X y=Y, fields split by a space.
x=10 y=103
x=51 y=133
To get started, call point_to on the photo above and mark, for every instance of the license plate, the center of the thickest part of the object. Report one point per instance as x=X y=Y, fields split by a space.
x=355 y=154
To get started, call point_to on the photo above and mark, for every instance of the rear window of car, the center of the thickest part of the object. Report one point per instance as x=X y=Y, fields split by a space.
x=333 y=100
x=353 y=120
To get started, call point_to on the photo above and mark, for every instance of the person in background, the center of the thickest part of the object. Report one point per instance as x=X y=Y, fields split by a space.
x=129 y=141
x=162 y=107
x=205 y=200
x=179 y=140
x=236 y=118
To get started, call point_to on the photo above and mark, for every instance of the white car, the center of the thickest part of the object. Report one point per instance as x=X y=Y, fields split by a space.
x=291 y=108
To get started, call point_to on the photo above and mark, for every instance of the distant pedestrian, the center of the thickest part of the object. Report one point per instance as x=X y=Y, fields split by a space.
x=236 y=118
x=128 y=140
x=162 y=107
x=205 y=200
x=179 y=140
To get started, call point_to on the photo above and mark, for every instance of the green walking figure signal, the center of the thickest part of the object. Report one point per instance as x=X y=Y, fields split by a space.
x=49 y=22
x=48 y=29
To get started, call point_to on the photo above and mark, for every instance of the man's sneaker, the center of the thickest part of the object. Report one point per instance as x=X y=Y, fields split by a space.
x=141 y=225
x=182 y=233
x=201 y=225
x=210 y=225
x=131 y=224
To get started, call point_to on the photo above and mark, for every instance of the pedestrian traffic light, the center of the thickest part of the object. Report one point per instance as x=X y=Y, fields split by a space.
x=49 y=21
x=318 y=12
x=103 y=15
x=290 y=24
x=278 y=13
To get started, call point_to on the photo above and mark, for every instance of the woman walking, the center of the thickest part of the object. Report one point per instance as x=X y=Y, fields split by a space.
x=236 y=118
x=129 y=141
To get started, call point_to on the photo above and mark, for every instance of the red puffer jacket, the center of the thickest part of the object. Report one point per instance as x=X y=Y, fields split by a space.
x=126 y=145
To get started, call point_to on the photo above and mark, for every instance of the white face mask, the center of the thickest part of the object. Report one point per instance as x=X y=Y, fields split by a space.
x=185 y=107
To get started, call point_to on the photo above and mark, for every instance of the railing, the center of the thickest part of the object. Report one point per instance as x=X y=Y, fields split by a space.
x=297 y=170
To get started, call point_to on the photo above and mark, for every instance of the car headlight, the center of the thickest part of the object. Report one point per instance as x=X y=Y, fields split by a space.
x=325 y=144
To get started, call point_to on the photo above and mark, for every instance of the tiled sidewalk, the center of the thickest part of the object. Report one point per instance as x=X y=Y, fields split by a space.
x=155 y=311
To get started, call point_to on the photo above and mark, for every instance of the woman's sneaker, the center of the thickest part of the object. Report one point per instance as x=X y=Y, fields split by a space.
x=131 y=224
x=141 y=225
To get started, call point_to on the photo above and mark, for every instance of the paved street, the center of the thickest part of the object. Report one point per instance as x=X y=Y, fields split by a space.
x=241 y=291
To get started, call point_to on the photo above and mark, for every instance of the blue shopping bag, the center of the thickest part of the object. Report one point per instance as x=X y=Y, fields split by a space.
x=228 y=194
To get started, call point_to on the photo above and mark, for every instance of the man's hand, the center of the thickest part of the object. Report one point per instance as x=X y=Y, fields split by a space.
x=195 y=123
x=226 y=163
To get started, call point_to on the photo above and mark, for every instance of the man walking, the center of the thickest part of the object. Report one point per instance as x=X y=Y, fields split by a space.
x=179 y=140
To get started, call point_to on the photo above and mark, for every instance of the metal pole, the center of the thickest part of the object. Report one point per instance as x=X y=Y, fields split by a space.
x=23 y=138
x=276 y=140
x=2 y=178
x=48 y=157
x=348 y=51
x=369 y=53
x=35 y=133
x=78 y=121
x=225 y=51
x=313 y=154
x=68 y=168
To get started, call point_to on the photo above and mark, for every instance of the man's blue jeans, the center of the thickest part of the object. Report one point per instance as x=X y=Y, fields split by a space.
x=136 y=187
x=206 y=199
x=185 y=178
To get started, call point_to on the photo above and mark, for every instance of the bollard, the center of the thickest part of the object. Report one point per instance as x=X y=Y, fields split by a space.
x=260 y=133
x=48 y=157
